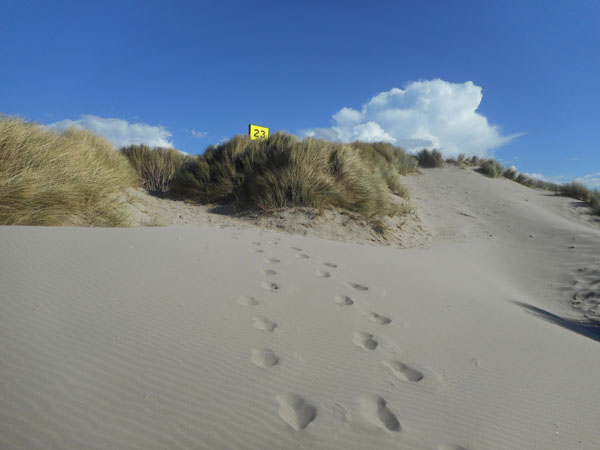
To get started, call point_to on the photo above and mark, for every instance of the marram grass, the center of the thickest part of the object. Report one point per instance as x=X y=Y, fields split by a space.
x=285 y=171
x=68 y=178
x=156 y=167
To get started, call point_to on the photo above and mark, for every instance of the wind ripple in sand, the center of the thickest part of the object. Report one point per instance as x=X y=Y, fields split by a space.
x=375 y=411
x=403 y=371
x=264 y=357
x=294 y=410
x=364 y=340
x=264 y=324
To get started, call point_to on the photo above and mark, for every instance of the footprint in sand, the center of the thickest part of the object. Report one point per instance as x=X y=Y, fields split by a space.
x=256 y=243
x=302 y=255
x=373 y=408
x=451 y=447
x=268 y=272
x=247 y=300
x=358 y=287
x=264 y=324
x=381 y=320
x=257 y=250
x=297 y=249
x=294 y=410
x=322 y=274
x=328 y=264
x=403 y=371
x=264 y=357
x=343 y=300
x=364 y=340
x=273 y=260
x=269 y=286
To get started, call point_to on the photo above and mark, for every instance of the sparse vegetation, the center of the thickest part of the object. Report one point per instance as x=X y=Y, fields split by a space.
x=575 y=190
x=491 y=168
x=510 y=173
x=474 y=160
x=595 y=200
x=430 y=158
x=285 y=171
x=155 y=166
x=68 y=178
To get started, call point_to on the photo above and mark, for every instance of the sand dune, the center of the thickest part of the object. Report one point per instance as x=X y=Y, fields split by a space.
x=217 y=337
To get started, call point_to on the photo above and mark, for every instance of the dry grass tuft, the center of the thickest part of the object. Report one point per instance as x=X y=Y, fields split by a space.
x=155 y=166
x=575 y=190
x=491 y=168
x=68 y=178
x=430 y=158
x=286 y=172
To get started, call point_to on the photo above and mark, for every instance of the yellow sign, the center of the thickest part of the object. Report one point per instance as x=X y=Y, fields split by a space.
x=258 y=133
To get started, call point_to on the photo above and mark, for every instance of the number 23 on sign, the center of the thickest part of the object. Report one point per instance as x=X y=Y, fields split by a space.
x=258 y=133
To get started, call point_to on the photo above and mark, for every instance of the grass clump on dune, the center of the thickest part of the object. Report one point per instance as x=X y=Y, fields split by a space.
x=575 y=190
x=285 y=171
x=156 y=167
x=510 y=173
x=67 y=178
x=491 y=168
x=595 y=201
x=391 y=161
x=430 y=158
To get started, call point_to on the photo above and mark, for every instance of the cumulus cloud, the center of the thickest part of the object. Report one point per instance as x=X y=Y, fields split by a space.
x=425 y=114
x=119 y=131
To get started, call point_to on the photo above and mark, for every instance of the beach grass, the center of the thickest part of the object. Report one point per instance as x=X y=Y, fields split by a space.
x=156 y=166
x=286 y=171
x=430 y=158
x=60 y=178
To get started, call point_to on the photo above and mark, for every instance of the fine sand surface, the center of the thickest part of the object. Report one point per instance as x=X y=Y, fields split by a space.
x=223 y=335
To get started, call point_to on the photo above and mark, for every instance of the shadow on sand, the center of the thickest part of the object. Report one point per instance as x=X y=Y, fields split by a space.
x=589 y=328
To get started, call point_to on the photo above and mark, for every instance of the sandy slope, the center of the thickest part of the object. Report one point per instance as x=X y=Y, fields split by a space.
x=209 y=337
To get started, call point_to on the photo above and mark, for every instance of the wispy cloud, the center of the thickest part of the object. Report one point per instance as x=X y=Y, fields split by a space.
x=119 y=131
x=198 y=134
x=432 y=114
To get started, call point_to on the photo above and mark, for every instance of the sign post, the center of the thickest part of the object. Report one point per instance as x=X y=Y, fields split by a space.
x=258 y=133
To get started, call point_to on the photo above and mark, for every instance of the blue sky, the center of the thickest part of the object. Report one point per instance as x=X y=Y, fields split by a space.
x=516 y=79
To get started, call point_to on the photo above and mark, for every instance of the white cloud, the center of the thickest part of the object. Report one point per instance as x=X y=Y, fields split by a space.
x=591 y=180
x=432 y=114
x=120 y=132
x=198 y=134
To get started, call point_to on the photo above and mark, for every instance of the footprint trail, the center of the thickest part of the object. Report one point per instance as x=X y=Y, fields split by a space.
x=294 y=410
x=375 y=411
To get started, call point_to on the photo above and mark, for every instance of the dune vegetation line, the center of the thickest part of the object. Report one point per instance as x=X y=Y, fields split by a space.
x=77 y=178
